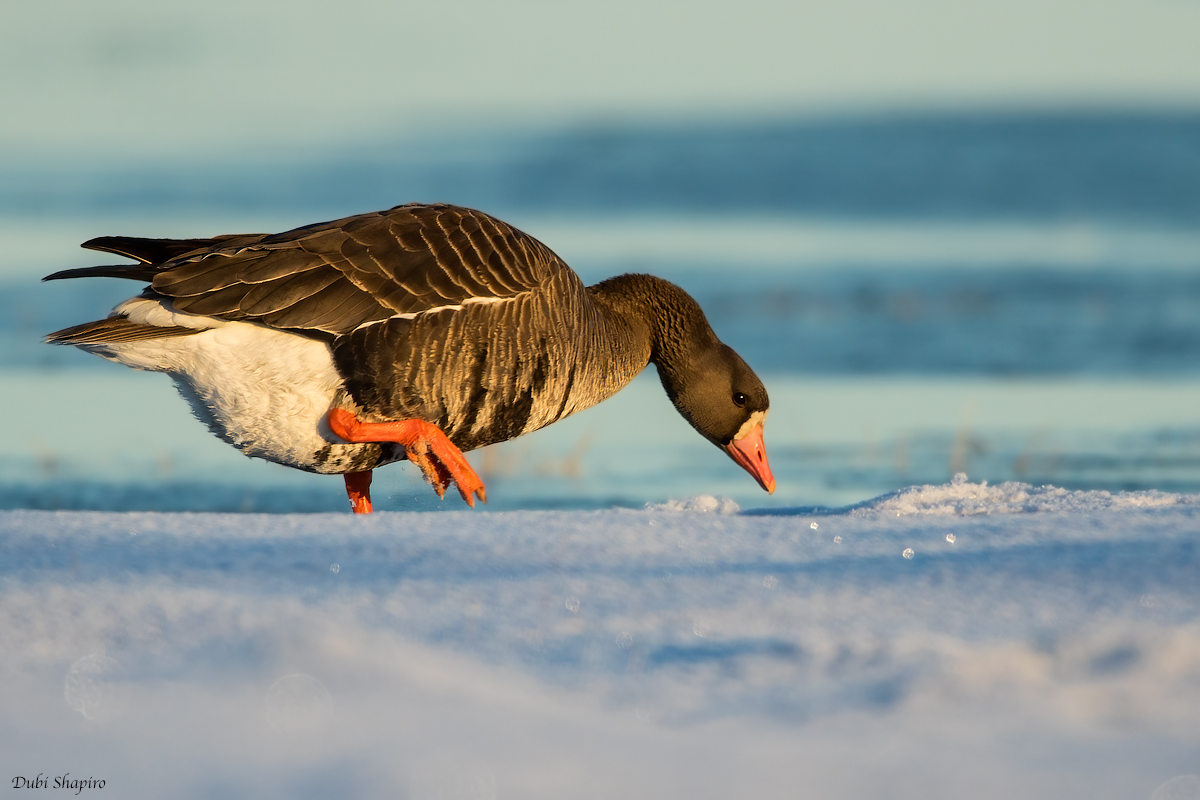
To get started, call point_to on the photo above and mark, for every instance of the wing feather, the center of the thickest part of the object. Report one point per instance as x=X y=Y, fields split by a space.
x=194 y=278
x=335 y=276
x=285 y=293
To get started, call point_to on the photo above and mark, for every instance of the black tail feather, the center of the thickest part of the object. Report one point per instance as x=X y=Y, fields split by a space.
x=160 y=251
x=148 y=251
x=136 y=272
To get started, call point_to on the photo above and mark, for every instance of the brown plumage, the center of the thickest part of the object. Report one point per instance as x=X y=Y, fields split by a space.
x=426 y=312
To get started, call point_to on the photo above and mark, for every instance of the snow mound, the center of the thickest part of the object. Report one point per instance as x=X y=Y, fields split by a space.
x=704 y=504
x=962 y=498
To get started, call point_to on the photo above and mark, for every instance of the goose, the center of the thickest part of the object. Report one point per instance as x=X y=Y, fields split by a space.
x=417 y=333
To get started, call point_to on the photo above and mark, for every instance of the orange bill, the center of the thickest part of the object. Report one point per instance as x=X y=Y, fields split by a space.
x=751 y=453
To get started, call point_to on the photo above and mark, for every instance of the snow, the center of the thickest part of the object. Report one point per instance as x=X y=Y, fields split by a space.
x=1037 y=643
x=961 y=498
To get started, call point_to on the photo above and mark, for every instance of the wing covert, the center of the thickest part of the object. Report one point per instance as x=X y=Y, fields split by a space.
x=335 y=276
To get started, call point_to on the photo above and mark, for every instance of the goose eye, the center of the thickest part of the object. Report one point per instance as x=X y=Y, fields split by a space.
x=739 y=399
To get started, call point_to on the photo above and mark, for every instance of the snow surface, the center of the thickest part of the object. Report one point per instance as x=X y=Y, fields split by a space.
x=956 y=641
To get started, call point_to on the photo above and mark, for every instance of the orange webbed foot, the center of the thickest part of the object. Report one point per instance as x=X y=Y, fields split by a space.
x=358 y=489
x=426 y=445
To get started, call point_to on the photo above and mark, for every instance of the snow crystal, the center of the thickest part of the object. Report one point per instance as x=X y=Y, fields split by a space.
x=96 y=687
x=705 y=503
x=962 y=498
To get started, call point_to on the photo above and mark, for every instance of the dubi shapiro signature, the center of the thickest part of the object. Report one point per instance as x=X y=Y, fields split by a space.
x=64 y=781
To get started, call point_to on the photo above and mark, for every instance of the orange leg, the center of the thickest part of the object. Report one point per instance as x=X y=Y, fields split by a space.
x=426 y=445
x=358 y=489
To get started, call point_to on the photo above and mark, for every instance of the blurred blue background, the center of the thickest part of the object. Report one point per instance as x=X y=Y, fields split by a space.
x=950 y=237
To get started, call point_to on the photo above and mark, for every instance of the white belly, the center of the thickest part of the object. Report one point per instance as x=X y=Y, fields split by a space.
x=264 y=391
